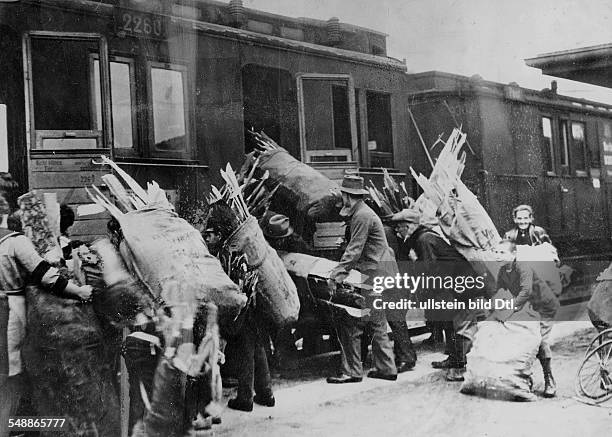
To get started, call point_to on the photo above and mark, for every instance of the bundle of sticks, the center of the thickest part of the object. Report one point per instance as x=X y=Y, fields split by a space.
x=460 y=214
x=126 y=201
x=247 y=257
x=244 y=193
x=392 y=198
x=232 y=195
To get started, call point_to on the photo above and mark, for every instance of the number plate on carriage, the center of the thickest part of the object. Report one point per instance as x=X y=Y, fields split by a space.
x=139 y=24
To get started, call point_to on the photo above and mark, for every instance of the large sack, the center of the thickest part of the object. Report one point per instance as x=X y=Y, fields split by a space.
x=276 y=292
x=600 y=304
x=543 y=259
x=500 y=363
x=70 y=359
x=464 y=220
x=300 y=184
x=171 y=258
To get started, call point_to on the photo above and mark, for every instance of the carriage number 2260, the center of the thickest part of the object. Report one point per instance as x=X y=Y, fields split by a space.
x=139 y=25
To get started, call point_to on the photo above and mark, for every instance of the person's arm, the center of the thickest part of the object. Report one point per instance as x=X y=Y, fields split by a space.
x=526 y=285
x=45 y=275
x=359 y=235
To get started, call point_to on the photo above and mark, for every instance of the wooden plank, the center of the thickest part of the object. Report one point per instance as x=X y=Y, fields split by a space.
x=103 y=215
x=71 y=196
x=88 y=227
x=66 y=164
x=65 y=179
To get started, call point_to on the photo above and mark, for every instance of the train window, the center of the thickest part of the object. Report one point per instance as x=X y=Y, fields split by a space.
x=169 y=106
x=327 y=118
x=122 y=98
x=380 y=129
x=563 y=143
x=3 y=139
x=547 y=145
x=61 y=89
x=269 y=97
x=578 y=146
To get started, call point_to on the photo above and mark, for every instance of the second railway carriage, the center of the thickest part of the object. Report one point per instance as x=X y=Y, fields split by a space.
x=526 y=146
x=168 y=88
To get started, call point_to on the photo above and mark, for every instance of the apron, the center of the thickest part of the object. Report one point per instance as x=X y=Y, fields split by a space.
x=12 y=325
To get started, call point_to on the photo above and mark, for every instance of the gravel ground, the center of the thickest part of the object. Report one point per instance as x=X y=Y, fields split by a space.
x=431 y=406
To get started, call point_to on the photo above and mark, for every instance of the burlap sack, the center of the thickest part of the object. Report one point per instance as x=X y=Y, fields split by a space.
x=276 y=292
x=171 y=258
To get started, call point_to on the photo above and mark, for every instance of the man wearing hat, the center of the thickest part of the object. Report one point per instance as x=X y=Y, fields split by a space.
x=280 y=235
x=438 y=258
x=368 y=252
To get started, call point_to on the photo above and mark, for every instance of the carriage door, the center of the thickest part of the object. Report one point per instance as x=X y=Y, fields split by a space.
x=68 y=119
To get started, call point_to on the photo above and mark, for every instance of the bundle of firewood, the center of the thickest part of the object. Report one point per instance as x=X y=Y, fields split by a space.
x=303 y=192
x=244 y=193
x=250 y=260
x=460 y=214
x=391 y=199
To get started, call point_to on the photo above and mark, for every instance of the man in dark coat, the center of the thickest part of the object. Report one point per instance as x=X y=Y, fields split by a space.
x=437 y=258
x=367 y=252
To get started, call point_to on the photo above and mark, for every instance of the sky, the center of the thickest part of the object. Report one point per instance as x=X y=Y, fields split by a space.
x=486 y=37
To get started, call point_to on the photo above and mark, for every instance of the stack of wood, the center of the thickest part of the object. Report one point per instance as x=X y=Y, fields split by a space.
x=328 y=235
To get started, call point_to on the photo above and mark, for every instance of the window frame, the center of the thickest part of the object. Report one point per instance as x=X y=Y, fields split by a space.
x=585 y=158
x=563 y=125
x=150 y=151
x=304 y=153
x=123 y=151
x=35 y=136
x=551 y=143
x=388 y=95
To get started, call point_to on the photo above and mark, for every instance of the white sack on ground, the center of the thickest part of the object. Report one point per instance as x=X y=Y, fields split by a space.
x=500 y=362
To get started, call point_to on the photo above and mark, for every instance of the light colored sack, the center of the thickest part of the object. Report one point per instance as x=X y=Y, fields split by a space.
x=171 y=258
x=500 y=362
x=276 y=292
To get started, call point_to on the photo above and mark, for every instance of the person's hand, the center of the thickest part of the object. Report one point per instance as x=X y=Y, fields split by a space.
x=84 y=292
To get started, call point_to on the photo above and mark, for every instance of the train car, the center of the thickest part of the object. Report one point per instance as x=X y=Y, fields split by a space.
x=525 y=146
x=168 y=88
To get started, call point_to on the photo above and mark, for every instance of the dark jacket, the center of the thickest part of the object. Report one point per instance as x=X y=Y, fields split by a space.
x=533 y=236
x=523 y=282
x=437 y=255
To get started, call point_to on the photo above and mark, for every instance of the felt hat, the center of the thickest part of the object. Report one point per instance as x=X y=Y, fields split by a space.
x=353 y=184
x=277 y=227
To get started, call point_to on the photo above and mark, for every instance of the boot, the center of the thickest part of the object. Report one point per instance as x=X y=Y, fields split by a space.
x=550 y=387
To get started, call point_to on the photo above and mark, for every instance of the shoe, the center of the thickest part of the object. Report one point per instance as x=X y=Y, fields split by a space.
x=455 y=375
x=343 y=379
x=404 y=366
x=240 y=405
x=379 y=375
x=550 y=387
x=447 y=364
x=216 y=420
x=266 y=401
